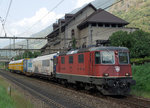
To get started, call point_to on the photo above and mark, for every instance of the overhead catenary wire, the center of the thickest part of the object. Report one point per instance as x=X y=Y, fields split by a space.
x=7 y=12
x=3 y=21
x=42 y=17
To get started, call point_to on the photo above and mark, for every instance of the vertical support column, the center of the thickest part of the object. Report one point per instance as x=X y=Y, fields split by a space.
x=90 y=35
x=27 y=47
x=14 y=42
x=10 y=47
x=27 y=44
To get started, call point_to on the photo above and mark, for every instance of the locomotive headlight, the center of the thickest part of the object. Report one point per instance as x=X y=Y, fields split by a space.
x=127 y=74
x=117 y=68
x=106 y=74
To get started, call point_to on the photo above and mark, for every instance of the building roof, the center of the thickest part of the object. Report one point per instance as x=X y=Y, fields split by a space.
x=74 y=15
x=102 y=16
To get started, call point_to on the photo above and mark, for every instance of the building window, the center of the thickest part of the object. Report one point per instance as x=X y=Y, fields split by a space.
x=70 y=59
x=100 y=25
x=94 y=24
x=120 y=25
x=81 y=58
x=62 y=60
x=107 y=25
x=72 y=32
x=113 y=25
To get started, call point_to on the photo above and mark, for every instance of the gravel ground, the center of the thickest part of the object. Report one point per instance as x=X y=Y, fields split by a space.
x=63 y=96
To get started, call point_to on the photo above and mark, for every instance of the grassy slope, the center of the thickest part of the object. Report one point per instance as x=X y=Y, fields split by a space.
x=15 y=101
x=5 y=100
x=136 y=12
x=141 y=74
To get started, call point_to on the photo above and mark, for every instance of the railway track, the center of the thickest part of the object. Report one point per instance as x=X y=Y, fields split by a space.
x=42 y=92
x=43 y=97
x=133 y=102
x=124 y=102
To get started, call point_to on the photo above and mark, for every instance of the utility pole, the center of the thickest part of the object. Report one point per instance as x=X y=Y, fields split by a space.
x=21 y=51
x=14 y=42
x=27 y=44
x=10 y=48
x=91 y=37
x=27 y=47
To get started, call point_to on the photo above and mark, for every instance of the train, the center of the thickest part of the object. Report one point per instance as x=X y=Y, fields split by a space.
x=106 y=69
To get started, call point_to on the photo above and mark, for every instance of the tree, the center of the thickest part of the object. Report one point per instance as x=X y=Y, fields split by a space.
x=138 y=42
x=28 y=54
x=74 y=42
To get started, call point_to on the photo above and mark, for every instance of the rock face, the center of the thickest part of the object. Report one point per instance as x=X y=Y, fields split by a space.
x=136 y=12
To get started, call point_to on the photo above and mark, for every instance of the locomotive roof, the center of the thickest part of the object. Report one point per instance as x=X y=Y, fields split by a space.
x=111 y=48
x=45 y=57
x=16 y=61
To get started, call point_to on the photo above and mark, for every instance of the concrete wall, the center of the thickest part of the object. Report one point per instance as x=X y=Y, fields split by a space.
x=73 y=25
x=103 y=33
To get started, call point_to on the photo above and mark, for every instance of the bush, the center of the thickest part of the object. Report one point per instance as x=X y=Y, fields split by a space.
x=28 y=54
x=141 y=75
x=140 y=60
x=138 y=42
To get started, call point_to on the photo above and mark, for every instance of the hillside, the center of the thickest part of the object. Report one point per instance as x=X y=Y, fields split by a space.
x=136 y=12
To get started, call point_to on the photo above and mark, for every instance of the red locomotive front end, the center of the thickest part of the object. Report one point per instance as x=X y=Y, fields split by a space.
x=113 y=65
x=107 y=69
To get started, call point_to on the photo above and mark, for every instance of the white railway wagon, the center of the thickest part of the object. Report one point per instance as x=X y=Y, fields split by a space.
x=43 y=65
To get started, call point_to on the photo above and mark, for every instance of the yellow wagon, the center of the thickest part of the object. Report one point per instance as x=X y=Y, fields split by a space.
x=16 y=65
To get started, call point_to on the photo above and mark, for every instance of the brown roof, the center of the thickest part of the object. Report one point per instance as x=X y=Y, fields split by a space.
x=102 y=16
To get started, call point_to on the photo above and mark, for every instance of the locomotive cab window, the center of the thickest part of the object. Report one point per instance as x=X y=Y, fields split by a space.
x=81 y=58
x=97 y=58
x=108 y=57
x=62 y=60
x=123 y=58
x=70 y=59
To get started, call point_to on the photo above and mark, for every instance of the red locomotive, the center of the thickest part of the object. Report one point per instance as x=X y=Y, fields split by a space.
x=107 y=69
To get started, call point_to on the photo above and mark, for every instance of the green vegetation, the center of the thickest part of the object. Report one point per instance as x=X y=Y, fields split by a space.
x=5 y=100
x=2 y=65
x=138 y=42
x=74 y=42
x=141 y=74
x=139 y=60
x=15 y=100
x=28 y=54
x=136 y=12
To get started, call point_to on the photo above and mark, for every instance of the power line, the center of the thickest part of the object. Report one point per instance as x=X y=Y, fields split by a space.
x=3 y=21
x=7 y=12
x=42 y=17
